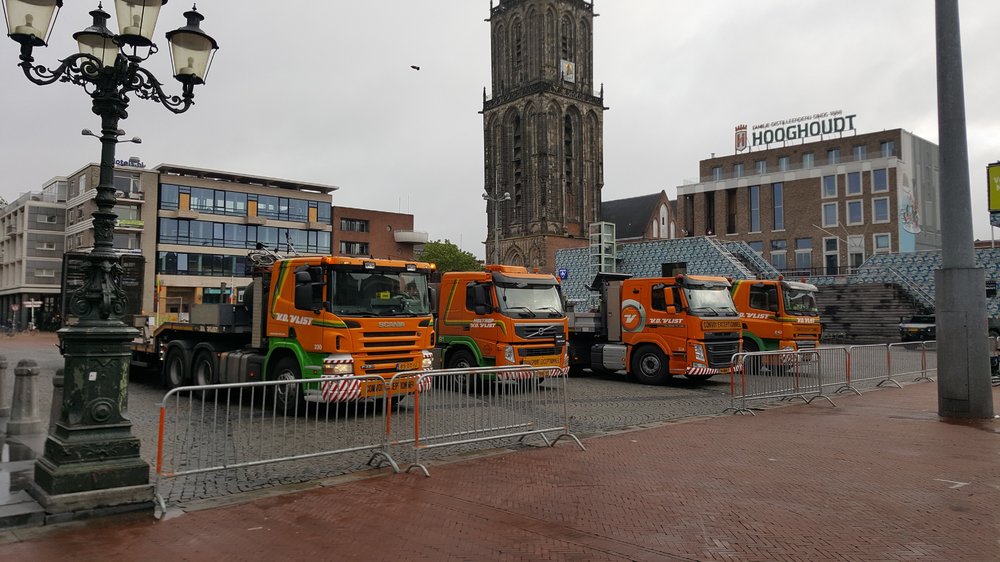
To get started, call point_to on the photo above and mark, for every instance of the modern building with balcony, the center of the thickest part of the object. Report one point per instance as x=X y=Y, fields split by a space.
x=381 y=234
x=32 y=244
x=819 y=207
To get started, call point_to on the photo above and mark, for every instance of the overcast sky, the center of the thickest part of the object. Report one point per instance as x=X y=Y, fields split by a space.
x=326 y=94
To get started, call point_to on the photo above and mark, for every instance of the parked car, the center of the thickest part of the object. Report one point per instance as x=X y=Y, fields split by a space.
x=917 y=328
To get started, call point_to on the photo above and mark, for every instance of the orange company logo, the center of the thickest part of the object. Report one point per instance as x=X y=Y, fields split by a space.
x=633 y=316
x=741 y=138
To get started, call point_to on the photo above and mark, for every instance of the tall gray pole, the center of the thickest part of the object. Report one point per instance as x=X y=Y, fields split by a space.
x=496 y=228
x=964 y=389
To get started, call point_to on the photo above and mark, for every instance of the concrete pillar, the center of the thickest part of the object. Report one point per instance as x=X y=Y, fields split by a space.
x=24 y=414
x=4 y=398
x=57 y=400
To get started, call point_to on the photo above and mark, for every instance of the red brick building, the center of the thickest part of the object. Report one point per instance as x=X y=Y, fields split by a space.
x=822 y=206
x=381 y=234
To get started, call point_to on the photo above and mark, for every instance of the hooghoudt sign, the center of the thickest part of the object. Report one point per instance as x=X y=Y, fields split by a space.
x=796 y=128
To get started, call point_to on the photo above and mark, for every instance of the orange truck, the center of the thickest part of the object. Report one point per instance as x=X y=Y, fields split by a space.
x=658 y=327
x=304 y=317
x=777 y=315
x=502 y=315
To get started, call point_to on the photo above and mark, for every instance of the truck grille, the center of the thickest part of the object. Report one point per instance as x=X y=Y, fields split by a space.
x=805 y=344
x=538 y=351
x=720 y=353
x=388 y=340
x=539 y=331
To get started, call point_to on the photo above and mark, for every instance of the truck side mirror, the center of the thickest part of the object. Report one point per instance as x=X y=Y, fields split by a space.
x=303 y=296
x=481 y=309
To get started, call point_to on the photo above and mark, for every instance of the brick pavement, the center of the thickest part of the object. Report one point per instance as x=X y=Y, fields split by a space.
x=877 y=478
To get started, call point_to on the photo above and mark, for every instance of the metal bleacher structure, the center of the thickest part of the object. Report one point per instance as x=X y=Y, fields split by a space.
x=860 y=306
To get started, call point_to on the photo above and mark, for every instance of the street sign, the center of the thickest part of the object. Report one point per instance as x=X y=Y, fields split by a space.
x=563 y=273
x=32 y=304
x=15 y=307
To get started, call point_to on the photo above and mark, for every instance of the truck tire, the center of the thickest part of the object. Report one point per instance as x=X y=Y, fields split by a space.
x=459 y=359
x=649 y=365
x=204 y=368
x=289 y=399
x=175 y=369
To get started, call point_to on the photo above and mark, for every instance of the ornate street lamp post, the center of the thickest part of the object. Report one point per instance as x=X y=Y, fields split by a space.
x=91 y=460
x=496 y=220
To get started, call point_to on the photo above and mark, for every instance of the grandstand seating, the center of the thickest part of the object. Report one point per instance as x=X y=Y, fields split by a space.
x=912 y=273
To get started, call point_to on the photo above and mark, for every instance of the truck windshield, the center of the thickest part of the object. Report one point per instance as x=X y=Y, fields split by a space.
x=529 y=301
x=366 y=292
x=709 y=300
x=800 y=303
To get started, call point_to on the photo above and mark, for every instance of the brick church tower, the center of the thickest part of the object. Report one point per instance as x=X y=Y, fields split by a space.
x=543 y=129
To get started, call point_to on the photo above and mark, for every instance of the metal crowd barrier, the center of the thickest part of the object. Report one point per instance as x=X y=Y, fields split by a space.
x=867 y=363
x=911 y=359
x=779 y=375
x=219 y=427
x=456 y=408
x=226 y=426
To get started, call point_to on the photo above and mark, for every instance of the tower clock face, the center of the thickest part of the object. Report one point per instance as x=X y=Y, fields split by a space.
x=568 y=70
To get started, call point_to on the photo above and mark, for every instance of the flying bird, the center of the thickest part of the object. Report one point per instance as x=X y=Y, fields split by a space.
x=414 y=67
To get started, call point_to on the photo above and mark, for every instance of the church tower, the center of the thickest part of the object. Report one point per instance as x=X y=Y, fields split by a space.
x=543 y=129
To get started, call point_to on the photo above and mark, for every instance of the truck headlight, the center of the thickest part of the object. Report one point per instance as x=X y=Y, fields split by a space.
x=699 y=352
x=427 y=362
x=508 y=354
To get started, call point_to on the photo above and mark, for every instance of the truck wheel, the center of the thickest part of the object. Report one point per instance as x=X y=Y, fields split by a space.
x=459 y=359
x=289 y=398
x=204 y=368
x=175 y=370
x=649 y=366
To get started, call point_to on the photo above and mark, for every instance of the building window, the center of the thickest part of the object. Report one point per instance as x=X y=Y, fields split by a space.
x=689 y=215
x=761 y=166
x=754 y=208
x=716 y=173
x=169 y=197
x=880 y=180
x=45 y=273
x=46 y=219
x=784 y=163
x=829 y=214
x=778 y=197
x=730 y=211
x=854 y=183
x=354 y=225
x=46 y=246
x=353 y=248
x=710 y=213
x=803 y=255
x=887 y=149
x=829 y=186
x=859 y=151
x=126 y=183
x=855 y=212
x=880 y=209
x=831 y=256
x=883 y=243
x=833 y=156
x=738 y=170
x=779 y=257
x=808 y=160
x=757 y=247
x=855 y=252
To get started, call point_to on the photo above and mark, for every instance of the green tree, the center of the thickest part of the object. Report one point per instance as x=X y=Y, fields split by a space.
x=448 y=257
